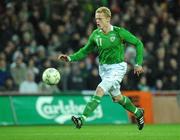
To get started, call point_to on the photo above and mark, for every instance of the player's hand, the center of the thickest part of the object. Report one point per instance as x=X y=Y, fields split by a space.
x=63 y=57
x=138 y=70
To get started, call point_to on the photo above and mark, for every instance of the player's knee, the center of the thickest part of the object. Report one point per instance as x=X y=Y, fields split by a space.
x=116 y=99
x=99 y=91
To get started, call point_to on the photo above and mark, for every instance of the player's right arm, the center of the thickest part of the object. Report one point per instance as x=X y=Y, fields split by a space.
x=82 y=53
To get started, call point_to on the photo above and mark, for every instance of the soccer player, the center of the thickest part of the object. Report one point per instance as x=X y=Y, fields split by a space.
x=109 y=41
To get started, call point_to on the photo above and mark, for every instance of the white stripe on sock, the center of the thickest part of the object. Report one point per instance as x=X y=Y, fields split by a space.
x=98 y=101
x=135 y=111
x=84 y=117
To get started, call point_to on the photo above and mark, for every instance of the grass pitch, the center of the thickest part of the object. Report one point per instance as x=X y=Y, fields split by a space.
x=91 y=132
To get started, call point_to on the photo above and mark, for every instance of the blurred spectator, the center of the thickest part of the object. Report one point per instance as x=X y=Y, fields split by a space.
x=130 y=55
x=142 y=85
x=75 y=79
x=2 y=7
x=64 y=71
x=32 y=68
x=9 y=51
x=9 y=85
x=44 y=34
x=93 y=79
x=4 y=72
x=41 y=53
x=159 y=85
x=174 y=82
x=29 y=85
x=54 y=44
x=18 y=69
x=44 y=88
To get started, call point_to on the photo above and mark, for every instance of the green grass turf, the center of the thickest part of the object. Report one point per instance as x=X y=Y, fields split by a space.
x=91 y=132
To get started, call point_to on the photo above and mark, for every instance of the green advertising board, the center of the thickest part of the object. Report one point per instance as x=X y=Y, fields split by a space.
x=6 y=113
x=26 y=110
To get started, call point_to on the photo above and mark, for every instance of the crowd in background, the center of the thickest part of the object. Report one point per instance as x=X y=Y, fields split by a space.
x=34 y=33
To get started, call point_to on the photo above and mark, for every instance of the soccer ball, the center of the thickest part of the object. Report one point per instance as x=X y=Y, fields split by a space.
x=51 y=76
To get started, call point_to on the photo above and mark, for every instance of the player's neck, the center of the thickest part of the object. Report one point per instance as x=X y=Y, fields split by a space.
x=107 y=29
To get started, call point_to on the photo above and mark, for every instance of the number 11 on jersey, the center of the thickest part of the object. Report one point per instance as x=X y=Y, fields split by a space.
x=99 y=41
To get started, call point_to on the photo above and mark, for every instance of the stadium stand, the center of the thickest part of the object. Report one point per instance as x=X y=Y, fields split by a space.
x=33 y=33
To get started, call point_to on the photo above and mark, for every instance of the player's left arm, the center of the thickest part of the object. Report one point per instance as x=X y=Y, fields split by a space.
x=130 y=38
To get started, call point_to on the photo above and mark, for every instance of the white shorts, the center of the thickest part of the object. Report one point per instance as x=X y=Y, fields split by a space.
x=112 y=75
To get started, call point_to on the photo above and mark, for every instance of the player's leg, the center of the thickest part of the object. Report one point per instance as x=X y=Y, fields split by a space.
x=103 y=87
x=122 y=100
x=89 y=108
x=93 y=103
x=119 y=72
x=129 y=106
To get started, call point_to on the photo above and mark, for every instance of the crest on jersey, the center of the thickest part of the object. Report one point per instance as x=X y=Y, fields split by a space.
x=112 y=38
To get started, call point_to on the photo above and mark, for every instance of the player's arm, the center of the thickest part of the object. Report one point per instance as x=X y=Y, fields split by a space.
x=82 y=53
x=130 y=38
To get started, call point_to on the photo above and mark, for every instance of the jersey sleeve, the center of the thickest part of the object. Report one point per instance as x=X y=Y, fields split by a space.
x=130 y=38
x=83 y=52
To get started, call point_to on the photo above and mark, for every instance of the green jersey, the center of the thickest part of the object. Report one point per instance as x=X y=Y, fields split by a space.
x=110 y=46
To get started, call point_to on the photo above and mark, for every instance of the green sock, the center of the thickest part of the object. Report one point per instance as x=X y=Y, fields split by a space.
x=128 y=105
x=91 y=106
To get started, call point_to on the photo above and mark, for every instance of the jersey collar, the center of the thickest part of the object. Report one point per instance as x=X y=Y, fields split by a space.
x=112 y=28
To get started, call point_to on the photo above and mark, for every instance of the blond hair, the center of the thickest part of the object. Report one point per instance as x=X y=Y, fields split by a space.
x=104 y=10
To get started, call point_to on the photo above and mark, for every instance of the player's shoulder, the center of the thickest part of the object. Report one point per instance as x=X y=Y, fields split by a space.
x=118 y=28
x=96 y=31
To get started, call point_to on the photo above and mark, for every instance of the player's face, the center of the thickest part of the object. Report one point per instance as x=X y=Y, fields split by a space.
x=101 y=20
